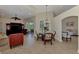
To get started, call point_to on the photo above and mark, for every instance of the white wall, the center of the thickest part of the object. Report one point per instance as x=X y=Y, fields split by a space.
x=58 y=21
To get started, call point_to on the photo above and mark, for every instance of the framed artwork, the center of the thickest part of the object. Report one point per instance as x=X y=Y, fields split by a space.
x=70 y=24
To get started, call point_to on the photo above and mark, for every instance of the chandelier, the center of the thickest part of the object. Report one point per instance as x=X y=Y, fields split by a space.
x=46 y=24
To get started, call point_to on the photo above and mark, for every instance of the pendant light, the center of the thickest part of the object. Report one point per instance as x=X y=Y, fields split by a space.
x=46 y=27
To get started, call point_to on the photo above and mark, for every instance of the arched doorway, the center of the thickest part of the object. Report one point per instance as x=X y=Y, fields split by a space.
x=70 y=31
x=70 y=24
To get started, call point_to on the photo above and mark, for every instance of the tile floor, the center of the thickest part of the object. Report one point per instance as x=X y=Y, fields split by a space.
x=32 y=46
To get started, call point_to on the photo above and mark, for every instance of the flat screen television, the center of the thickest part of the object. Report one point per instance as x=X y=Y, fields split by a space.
x=16 y=28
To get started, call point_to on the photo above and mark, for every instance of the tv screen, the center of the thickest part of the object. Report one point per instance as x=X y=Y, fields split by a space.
x=16 y=29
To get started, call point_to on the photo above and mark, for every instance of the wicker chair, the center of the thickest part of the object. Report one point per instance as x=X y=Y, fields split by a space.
x=66 y=36
x=48 y=38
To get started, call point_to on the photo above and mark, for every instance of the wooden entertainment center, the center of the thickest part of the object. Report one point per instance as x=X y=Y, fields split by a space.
x=15 y=32
x=12 y=28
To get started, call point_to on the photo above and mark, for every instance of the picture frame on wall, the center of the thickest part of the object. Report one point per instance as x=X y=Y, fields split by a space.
x=70 y=24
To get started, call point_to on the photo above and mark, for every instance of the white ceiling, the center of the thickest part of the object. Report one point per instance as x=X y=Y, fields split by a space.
x=25 y=11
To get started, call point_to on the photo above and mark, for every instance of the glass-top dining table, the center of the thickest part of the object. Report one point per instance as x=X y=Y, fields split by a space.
x=42 y=36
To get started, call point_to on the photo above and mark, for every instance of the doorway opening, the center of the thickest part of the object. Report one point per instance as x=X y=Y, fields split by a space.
x=30 y=27
x=70 y=31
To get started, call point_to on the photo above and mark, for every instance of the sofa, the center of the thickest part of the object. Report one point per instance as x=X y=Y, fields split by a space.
x=16 y=39
x=3 y=39
x=3 y=35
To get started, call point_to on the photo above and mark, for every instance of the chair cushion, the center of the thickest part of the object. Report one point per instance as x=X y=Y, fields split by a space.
x=64 y=35
x=47 y=36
